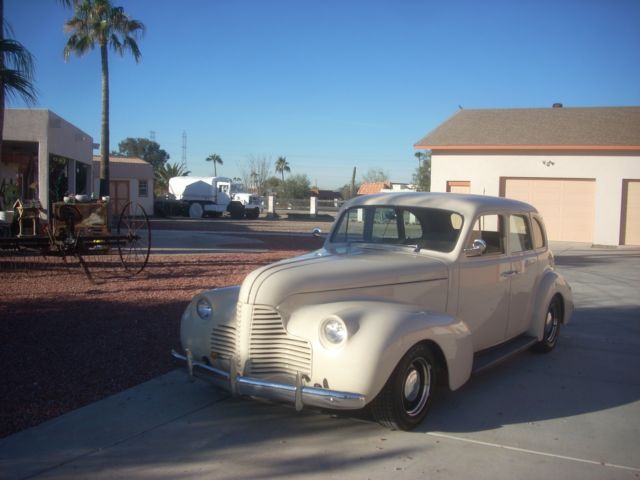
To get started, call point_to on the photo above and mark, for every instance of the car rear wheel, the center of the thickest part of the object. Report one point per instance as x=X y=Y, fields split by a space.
x=405 y=399
x=552 y=322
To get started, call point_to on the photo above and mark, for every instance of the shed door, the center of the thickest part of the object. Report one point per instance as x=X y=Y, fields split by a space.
x=119 y=192
x=567 y=205
x=631 y=212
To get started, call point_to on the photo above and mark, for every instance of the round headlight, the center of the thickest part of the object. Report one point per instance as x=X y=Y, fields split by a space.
x=333 y=331
x=204 y=309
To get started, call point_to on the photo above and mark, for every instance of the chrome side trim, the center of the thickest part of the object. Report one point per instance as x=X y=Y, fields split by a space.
x=298 y=395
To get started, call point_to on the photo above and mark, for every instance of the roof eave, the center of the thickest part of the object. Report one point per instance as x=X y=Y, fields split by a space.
x=419 y=146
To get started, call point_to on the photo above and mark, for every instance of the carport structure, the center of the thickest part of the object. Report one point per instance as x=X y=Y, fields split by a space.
x=44 y=156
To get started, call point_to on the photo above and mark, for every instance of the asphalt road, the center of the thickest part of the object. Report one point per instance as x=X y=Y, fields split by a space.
x=573 y=414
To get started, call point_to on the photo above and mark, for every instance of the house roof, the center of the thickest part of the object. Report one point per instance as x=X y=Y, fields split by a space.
x=133 y=160
x=588 y=128
x=374 y=187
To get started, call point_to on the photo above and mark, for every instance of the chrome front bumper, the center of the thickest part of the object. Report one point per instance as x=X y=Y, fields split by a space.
x=298 y=394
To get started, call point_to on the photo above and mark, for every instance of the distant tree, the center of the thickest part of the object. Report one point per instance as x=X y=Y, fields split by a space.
x=256 y=172
x=345 y=190
x=297 y=186
x=422 y=176
x=273 y=185
x=282 y=166
x=16 y=71
x=215 y=159
x=374 y=175
x=164 y=173
x=143 y=148
x=98 y=23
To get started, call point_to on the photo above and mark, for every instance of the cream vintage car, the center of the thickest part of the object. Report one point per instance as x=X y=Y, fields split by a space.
x=411 y=291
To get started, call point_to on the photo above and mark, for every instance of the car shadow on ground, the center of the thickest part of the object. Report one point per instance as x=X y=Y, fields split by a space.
x=592 y=369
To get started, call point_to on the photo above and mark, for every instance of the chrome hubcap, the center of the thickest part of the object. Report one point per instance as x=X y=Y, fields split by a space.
x=551 y=324
x=411 y=386
x=417 y=386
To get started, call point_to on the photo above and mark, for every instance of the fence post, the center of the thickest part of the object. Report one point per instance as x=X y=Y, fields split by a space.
x=313 y=207
x=271 y=210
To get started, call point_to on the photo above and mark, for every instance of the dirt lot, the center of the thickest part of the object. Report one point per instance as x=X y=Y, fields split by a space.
x=67 y=342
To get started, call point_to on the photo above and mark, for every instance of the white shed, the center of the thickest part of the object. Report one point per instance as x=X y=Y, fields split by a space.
x=130 y=180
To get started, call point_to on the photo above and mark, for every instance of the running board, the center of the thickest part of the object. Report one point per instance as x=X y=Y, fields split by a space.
x=493 y=356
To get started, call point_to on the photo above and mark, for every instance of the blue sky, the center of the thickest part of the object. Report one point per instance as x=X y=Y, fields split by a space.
x=332 y=84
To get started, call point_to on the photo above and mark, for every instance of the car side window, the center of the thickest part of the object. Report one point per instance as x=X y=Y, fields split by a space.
x=351 y=226
x=538 y=234
x=385 y=226
x=489 y=228
x=519 y=234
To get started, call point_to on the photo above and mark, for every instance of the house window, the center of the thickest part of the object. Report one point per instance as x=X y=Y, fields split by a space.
x=143 y=188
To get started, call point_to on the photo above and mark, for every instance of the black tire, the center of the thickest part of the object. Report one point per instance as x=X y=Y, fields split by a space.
x=253 y=213
x=552 y=322
x=406 y=397
x=196 y=210
x=236 y=210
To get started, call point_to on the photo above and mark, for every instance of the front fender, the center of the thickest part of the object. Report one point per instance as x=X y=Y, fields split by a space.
x=380 y=334
x=552 y=284
x=195 y=333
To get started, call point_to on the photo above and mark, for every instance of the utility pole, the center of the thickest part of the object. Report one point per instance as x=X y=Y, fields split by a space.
x=184 y=149
x=353 y=183
x=152 y=135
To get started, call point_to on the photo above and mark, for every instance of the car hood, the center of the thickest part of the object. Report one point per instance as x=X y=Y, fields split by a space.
x=339 y=269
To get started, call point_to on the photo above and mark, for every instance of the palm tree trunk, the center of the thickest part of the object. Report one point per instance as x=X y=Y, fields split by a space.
x=1 y=84
x=215 y=170
x=104 y=134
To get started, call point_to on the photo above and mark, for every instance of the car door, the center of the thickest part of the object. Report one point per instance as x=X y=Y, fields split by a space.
x=484 y=283
x=524 y=274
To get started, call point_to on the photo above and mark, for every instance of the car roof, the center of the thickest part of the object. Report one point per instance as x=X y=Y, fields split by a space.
x=465 y=204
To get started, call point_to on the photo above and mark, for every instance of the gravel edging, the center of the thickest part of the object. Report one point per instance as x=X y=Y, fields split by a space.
x=68 y=342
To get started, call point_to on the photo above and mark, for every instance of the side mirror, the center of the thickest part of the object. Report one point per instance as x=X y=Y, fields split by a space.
x=316 y=232
x=478 y=247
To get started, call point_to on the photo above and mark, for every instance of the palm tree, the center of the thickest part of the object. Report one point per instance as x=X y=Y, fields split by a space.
x=214 y=158
x=282 y=166
x=98 y=23
x=165 y=172
x=16 y=71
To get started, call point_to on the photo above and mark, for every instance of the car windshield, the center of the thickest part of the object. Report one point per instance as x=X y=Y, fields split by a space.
x=428 y=228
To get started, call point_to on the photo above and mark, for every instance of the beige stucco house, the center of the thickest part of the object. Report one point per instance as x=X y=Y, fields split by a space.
x=44 y=155
x=130 y=180
x=580 y=167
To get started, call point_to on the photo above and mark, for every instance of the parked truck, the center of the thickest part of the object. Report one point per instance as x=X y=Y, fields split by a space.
x=214 y=196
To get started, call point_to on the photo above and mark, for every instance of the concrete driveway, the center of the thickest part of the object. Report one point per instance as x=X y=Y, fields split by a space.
x=574 y=413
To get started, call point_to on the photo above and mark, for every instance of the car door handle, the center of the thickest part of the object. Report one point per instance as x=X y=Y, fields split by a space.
x=510 y=273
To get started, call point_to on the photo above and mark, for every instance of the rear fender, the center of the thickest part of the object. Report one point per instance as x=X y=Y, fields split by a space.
x=552 y=284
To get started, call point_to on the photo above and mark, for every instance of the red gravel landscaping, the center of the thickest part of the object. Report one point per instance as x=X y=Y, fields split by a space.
x=67 y=341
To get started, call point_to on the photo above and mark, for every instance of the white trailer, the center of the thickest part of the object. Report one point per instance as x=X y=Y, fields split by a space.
x=212 y=196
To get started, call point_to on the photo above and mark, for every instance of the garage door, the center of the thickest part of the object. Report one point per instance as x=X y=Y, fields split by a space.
x=455 y=186
x=567 y=205
x=631 y=212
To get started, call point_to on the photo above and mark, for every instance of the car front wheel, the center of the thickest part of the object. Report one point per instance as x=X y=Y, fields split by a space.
x=551 y=327
x=405 y=399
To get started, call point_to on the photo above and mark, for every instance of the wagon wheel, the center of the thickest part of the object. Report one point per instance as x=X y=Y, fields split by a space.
x=134 y=238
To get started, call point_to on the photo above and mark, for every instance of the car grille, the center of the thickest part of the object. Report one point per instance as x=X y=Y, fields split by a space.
x=272 y=350
x=223 y=341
